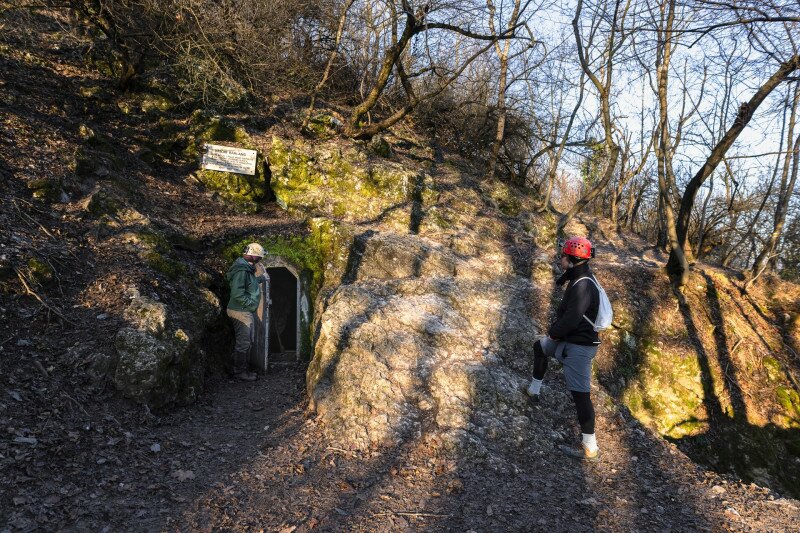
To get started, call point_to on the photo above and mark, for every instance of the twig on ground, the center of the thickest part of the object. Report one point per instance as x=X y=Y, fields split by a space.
x=412 y=514
x=76 y=402
x=340 y=450
x=736 y=345
x=26 y=215
x=41 y=301
x=40 y=367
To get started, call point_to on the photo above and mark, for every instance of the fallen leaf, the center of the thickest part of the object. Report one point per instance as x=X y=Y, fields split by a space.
x=183 y=475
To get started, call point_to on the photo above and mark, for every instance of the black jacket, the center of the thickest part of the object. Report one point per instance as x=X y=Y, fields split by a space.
x=581 y=299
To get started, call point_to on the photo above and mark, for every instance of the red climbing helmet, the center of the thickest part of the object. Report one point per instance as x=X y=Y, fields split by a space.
x=578 y=247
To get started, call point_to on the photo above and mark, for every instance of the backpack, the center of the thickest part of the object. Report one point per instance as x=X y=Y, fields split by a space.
x=604 y=312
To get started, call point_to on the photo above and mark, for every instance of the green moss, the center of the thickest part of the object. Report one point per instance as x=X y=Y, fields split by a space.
x=301 y=251
x=150 y=102
x=101 y=203
x=86 y=133
x=205 y=128
x=326 y=181
x=773 y=368
x=39 y=271
x=125 y=107
x=442 y=219
x=240 y=189
x=790 y=401
x=167 y=266
x=692 y=426
x=46 y=189
x=505 y=197
x=243 y=191
x=90 y=91
x=323 y=126
x=84 y=163
x=154 y=241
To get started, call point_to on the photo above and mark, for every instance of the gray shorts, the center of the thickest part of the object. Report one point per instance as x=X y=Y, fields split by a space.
x=577 y=361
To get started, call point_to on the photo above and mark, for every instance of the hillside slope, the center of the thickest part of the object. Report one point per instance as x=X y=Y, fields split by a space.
x=110 y=233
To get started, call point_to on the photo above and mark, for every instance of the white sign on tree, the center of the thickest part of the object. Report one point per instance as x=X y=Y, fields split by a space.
x=228 y=159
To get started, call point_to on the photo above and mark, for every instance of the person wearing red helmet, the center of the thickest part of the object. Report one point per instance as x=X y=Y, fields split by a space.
x=572 y=340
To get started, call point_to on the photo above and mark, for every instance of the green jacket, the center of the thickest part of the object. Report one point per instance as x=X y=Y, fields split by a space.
x=245 y=289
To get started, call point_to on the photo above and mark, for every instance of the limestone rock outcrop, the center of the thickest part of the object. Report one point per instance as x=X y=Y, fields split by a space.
x=158 y=362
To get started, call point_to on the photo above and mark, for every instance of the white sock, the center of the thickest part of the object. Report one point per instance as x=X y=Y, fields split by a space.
x=589 y=441
x=535 y=387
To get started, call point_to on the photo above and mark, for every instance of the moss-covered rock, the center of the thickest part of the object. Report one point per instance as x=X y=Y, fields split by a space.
x=773 y=368
x=241 y=190
x=90 y=91
x=503 y=197
x=324 y=180
x=147 y=315
x=103 y=202
x=146 y=369
x=45 y=189
x=323 y=126
x=154 y=103
x=159 y=362
x=789 y=399
x=165 y=265
x=379 y=146
x=86 y=133
x=667 y=391
x=40 y=272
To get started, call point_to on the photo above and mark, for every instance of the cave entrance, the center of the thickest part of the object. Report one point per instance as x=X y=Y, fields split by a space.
x=284 y=319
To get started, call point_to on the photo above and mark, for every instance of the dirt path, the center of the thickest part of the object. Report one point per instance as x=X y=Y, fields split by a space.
x=246 y=458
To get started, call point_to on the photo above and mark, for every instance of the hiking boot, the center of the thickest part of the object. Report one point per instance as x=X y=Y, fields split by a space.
x=580 y=453
x=245 y=376
x=534 y=398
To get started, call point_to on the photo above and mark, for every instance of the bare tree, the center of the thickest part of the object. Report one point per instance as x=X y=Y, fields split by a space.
x=415 y=21
x=503 y=50
x=331 y=59
x=785 y=191
x=677 y=265
x=601 y=78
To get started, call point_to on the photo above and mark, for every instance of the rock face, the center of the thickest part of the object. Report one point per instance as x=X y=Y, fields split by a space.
x=422 y=338
x=424 y=323
x=394 y=356
x=158 y=362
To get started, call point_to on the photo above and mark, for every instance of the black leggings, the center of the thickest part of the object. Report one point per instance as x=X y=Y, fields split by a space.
x=539 y=361
x=583 y=402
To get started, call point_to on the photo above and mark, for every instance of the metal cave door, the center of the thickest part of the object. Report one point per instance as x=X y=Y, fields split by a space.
x=259 y=351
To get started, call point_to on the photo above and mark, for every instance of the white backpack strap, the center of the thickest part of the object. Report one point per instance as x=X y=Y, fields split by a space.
x=590 y=279
x=589 y=320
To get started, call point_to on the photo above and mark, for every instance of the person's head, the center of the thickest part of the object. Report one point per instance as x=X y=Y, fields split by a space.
x=576 y=251
x=253 y=252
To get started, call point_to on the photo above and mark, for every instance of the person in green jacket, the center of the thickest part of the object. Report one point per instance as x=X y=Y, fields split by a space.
x=243 y=303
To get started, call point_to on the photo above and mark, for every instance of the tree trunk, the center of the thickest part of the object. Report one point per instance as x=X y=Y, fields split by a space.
x=327 y=72
x=784 y=194
x=676 y=264
x=393 y=53
x=501 y=87
x=603 y=87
